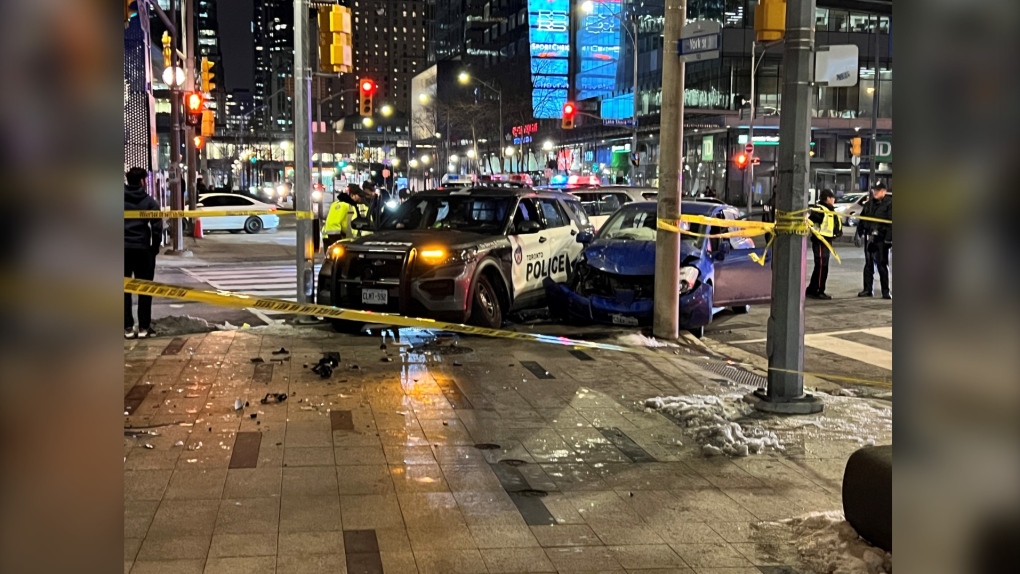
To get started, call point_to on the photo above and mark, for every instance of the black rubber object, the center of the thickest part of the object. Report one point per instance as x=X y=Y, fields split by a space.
x=867 y=494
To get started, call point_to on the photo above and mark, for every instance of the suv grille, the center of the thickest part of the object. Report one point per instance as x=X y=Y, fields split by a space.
x=375 y=266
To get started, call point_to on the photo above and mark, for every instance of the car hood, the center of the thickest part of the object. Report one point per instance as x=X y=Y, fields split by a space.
x=418 y=238
x=627 y=256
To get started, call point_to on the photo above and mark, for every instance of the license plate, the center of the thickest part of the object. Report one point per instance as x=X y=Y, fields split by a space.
x=375 y=296
x=624 y=320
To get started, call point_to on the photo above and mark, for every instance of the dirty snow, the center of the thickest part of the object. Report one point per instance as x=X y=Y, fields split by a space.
x=726 y=425
x=827 y=544
x=640 y=340
x=713 y=421
x=183 y=325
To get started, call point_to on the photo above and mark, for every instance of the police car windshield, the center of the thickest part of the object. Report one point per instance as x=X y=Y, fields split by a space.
x=639 y=225
x=463 y=213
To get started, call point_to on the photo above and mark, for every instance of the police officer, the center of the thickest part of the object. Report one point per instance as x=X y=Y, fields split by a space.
x=826 y=223
x=877 y=236
x=347 y=206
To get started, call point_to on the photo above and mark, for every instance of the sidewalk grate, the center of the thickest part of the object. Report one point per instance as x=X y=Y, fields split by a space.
x=736 y=374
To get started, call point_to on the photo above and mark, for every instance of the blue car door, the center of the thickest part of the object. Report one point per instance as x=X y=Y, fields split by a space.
x=739 y=279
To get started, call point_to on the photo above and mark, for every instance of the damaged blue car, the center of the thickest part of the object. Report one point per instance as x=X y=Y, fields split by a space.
x=612 y=281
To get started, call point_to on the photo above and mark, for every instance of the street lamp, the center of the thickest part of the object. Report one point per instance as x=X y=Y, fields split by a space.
x=413 y=163
x=454 y=158
x=425 y=159
x=509 y=151
x=173 y=76
x=423 y=98
x=589 y=7
x=471 y=153
x=547 y=146
x=285 y=145
x=367 y=122
x=465 y=78
x=386 y=110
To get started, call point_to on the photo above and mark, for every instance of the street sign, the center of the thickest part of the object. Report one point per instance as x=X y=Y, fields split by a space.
x=628 y=123
x=700 y=40
x=755 y=161
x=749 y=147
x=837 y=66
x=855 y=160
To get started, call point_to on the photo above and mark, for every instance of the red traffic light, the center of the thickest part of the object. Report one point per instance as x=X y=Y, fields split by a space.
x=568 y=109
x=367 y=86
x=194 y=102
x=741 y=160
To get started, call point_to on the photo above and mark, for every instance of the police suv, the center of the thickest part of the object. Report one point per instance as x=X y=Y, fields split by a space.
x=469 y=255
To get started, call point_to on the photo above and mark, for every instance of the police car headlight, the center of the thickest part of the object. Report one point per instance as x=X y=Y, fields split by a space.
x=392 y=204
x=336 y=251
x=688 y=278
x=440 y=256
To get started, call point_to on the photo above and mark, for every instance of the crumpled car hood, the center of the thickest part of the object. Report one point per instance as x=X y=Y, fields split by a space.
x=627 y=256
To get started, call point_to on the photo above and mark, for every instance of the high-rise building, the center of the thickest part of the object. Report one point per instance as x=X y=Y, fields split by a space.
x=273 y=39
x=207 y=45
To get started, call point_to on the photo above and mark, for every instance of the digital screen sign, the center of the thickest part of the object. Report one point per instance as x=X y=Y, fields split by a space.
x=549 y=36
x=599 y=43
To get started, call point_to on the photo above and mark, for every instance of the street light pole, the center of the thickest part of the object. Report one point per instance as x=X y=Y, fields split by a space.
x=303 y=152
x=785 y=390
x=189 y=84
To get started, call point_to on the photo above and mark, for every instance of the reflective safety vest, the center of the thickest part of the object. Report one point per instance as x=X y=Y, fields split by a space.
x=828 y=225
x=338 y=222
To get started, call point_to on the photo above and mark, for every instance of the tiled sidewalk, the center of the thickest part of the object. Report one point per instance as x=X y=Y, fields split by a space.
x=447 y=459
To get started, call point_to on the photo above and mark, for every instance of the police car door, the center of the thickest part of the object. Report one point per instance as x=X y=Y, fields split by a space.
x=530 y=244
x=561 y=245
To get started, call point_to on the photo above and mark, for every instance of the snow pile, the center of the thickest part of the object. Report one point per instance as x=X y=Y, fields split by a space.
x=826 y=543
x=640 y=340
x=713 y=421
x=184 y=325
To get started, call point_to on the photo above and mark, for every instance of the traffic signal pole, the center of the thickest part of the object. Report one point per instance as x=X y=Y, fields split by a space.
x=176 y=197
x=666 y=322
x=303 y=151
x=189 y=85
x=785 y=347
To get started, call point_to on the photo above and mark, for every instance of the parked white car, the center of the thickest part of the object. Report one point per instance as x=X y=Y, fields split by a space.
x=601 y=202
x=851 y=204
x=236 y=223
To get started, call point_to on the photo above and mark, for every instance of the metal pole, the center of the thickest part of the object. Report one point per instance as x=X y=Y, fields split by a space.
x=176 y=194
x=322 y=182
x=666 y=323
x=189 y=84
x=500 y=94
x=873 y=176
x=303 y=151
x=750 y=133
x=634 y=135
x=785 y=392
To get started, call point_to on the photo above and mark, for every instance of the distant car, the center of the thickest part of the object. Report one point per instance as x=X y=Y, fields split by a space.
x=600 y=203
x=613 y=279
x=236 y=223
x=716 y=201
x=852 y=204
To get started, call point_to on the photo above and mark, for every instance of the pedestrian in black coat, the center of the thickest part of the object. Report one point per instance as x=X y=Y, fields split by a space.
x=142 y=239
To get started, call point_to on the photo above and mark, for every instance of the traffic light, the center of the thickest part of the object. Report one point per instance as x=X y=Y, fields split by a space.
x=741 y=161
x=167 y=60
x=207 y=75
x=199 y=141
x=335 y=55
x=770 y=20
x=194 y=104
x=208 y=123
x=367 y=90
x=569 y=111
x=855 y=146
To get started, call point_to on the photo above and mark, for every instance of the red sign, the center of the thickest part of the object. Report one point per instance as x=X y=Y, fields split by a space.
x=526 y=129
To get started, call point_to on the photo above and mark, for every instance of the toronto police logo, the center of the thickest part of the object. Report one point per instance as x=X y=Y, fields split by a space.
x=518 y=255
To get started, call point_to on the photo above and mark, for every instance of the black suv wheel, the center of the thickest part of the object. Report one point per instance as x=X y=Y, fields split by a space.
x=485 y=307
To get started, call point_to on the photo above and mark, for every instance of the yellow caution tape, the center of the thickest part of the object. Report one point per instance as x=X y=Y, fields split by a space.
x=187 y=213
x=860 y=217
x=242 y=301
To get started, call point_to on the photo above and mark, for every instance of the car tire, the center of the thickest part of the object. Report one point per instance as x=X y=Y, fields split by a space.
x=188 y=227
x=698 y=332
x=741 y=309
x=235 y=231
x=485 y=308
x=349 y=327
x=253 y=225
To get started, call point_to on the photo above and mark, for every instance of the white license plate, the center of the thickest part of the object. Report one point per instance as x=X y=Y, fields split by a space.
x=624 y=320
x=375 y=296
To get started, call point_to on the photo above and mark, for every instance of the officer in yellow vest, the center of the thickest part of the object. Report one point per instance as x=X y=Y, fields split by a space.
x=347 y=207
x=826 y=222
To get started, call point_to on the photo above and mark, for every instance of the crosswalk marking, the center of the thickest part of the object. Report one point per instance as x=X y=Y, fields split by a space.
x=831 y=342
x=851 y=350
x=273 y=280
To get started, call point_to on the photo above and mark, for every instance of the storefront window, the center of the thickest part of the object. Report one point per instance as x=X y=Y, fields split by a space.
x=866 y=94
x=838 y=20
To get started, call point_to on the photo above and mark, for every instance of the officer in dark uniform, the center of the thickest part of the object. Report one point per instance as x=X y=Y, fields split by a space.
x=877 y=237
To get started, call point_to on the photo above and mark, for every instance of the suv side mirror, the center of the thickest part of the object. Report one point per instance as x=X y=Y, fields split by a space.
x=585 y=237
x=526 y=227
x=723 y=251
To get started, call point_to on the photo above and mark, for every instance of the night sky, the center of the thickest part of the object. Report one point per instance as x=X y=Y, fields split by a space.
x=235 y=18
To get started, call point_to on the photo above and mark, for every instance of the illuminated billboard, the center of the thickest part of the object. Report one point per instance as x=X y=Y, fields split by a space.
x=549 y=36
x=599 y=39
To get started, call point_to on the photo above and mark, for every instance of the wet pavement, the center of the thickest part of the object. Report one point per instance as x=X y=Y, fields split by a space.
x=426 y=454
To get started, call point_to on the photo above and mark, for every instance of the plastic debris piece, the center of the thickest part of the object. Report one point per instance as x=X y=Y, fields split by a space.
x=148 y=446
x=273 y=398
x=179 y=443
x=387 y=359
x=253 y=415
x=246 y=404
x=282 y=351
x=456 y=363
x=446 y=424
x=238 y=404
